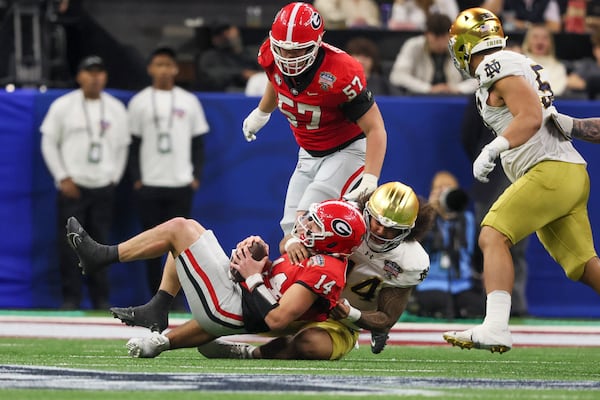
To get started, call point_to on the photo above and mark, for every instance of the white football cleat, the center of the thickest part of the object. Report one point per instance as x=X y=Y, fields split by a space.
x=148 y=347
x=480 y=338
x=219 y=348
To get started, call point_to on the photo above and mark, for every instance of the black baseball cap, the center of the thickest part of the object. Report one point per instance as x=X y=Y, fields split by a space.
x=92 y=62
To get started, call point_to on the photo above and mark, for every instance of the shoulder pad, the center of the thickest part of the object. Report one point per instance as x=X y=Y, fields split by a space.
x=500 y=65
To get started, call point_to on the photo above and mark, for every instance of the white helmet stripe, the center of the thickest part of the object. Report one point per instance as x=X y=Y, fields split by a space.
x=292 y=24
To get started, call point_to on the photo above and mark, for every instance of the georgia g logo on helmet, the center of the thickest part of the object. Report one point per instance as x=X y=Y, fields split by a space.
x=316 y=21
x=341 y=227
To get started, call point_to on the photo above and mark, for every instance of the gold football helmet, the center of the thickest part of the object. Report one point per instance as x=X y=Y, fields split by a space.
x=473 y=31
x=394 y=205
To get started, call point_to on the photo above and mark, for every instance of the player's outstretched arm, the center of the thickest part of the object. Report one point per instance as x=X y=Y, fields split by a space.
x=390 y=306
x=586 y=129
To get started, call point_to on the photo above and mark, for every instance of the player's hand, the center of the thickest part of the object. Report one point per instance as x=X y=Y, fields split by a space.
x=253 y=122
x=368 y=184
x=296 y=251
x=250 y=240
x=341 y=309
x=242 y=261
x=69 y=189
x=486 y=160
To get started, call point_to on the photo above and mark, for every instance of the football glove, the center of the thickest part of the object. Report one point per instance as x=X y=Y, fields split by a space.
x=485 y=161
x=378 y=341
x=253 y=122
x=368 y=184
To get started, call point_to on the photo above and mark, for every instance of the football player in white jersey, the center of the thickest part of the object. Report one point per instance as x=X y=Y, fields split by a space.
x=550 y=184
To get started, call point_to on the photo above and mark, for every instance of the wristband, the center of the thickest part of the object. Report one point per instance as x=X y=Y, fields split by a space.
x=354 y=314
x=254 y=280
x=290 y=242
x=370 y=179
x=261 y=113
x=497 y=146
x=263 y=300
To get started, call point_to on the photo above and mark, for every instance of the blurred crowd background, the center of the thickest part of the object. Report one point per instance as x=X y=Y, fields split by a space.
x=43 y=40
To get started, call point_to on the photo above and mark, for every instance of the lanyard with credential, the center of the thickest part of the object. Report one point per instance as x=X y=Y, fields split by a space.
x=95 y=150
x=164 y=138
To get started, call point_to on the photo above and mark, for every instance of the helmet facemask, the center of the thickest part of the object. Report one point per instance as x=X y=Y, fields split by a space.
x=380 y=244
x=303 y=232
x=294 y=66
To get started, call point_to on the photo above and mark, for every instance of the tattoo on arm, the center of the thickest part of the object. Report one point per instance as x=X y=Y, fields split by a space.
x=390 y=306
x=586 y=129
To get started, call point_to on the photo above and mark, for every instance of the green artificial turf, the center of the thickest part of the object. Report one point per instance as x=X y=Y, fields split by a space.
x=538 y=365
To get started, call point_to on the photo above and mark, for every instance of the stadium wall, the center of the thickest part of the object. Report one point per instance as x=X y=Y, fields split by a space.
x=242 y=192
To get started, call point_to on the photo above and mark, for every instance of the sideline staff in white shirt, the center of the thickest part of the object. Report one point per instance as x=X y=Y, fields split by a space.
x=84 y=145
x=167 y=125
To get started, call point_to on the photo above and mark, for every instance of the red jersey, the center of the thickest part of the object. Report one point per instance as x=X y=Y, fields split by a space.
x=322 y=274
x=314 y=112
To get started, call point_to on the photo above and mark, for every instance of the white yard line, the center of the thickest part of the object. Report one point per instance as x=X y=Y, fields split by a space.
x=402 y=333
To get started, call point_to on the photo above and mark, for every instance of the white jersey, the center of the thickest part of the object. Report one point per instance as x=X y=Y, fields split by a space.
x=166 y=121
x=86 y=139
x=547 y=143
x=404 y=266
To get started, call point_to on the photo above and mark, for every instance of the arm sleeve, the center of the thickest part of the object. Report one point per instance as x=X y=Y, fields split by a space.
x=356 y=108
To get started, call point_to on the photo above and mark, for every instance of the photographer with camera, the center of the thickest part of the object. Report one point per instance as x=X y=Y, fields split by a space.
x=451 y=290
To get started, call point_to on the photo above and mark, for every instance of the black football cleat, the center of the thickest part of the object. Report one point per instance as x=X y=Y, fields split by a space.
x=378 y=341
x=92 y=255
x=144 y=315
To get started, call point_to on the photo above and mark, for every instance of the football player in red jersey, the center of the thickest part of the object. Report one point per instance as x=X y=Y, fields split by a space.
x=272 y=296
x=322 y=92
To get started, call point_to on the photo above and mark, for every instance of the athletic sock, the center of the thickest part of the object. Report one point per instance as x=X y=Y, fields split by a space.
x=497 y=310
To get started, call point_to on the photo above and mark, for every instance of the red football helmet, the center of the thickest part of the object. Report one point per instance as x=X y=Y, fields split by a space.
x=331 y=226
x=297 y=26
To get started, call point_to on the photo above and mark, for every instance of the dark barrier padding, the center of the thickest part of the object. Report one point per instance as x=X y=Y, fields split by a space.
x=242 y=192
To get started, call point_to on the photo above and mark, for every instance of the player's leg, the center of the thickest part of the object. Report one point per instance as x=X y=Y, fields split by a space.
x=548 y=192
x=312 y=344
x=214 y=299
x=327 y=340
x=174 y=235
x=338 y=173
x=591 y=274
x=569 y=239
x=154 y=315
x=303 y=175
x=190 y=334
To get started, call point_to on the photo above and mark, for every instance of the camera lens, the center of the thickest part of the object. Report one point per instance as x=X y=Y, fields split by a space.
x=454 y=200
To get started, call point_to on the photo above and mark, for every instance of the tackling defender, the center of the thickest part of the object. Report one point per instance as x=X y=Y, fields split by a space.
x=272 y=296
x=322 y=91
x=384 y=269
x=550 y=184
